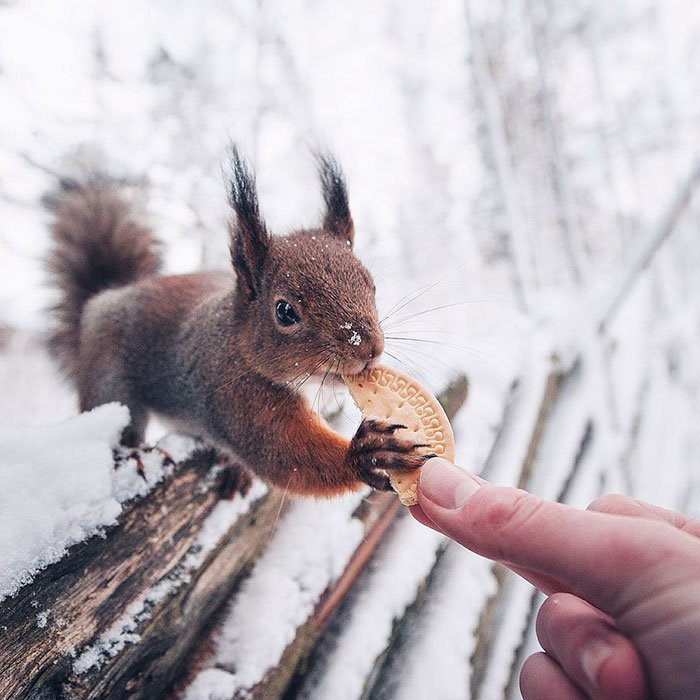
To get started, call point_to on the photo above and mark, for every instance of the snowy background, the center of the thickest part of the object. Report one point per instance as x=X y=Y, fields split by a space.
x=516 y=168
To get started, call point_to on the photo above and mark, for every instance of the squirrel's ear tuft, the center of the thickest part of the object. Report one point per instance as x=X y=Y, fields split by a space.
x=336 y=219
x=250 y=239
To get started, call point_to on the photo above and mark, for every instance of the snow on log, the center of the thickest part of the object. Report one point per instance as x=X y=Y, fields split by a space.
x=104 y=598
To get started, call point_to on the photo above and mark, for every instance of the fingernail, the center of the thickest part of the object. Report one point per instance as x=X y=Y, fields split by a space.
x=445 y=484
x=593 y=656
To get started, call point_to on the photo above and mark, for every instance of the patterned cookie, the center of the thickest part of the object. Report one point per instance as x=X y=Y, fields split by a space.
x=386 y=394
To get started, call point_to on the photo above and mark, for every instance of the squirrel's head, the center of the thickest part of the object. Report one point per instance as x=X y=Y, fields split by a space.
x=306 y=299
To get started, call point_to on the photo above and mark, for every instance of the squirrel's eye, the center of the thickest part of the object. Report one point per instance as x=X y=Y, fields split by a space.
x=285 y=313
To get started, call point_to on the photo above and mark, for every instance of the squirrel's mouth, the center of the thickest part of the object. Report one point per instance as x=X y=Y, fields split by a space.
x=333 y=371
x=353 y=367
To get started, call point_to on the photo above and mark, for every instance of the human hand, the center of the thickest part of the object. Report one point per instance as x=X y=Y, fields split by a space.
x=623 y=578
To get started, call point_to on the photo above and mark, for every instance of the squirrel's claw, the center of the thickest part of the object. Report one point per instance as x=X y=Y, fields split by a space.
x=372 y=426
x=407 y=463
x=374 y=449
x=377 y=480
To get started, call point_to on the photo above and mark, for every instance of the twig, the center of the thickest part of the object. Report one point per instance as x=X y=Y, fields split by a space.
x=518 y=233
x=624 y=281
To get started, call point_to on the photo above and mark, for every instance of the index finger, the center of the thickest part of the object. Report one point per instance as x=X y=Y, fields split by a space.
x=609 y=560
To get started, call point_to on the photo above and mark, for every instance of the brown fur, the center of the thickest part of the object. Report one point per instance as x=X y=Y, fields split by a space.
x=207 y=351
x=99 y=243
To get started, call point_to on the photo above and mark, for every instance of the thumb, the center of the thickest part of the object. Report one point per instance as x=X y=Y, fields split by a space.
x=609 y=560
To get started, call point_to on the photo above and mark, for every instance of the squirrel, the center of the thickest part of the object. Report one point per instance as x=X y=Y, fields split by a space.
x=220 y=355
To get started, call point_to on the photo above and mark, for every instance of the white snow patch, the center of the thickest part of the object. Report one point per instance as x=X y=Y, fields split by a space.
x=502 y=655
x=402 y=564
x=221 y=519
x=121 y=633
x=212 y=684
x=57 y=490
x=60 y=487
x=178 y=447
x=463 y=584
x=127 y=483
x=42 y=618
x=310 y=549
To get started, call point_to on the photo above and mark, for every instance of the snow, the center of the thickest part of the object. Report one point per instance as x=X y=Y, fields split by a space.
x=61 y=486
x=515 y=605
x=503 y=464
x=445 y=639
x=124 y=630
x=212 y=684
x=311 y=546
x=42 y=618
x=116 y=638
x=72 y=463
x=404 y=562
x=222 y=517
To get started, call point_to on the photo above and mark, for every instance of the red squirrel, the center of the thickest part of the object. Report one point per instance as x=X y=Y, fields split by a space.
x=218 y=355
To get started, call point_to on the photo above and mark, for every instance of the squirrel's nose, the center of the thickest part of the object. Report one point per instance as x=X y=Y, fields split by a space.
x=372 y=362
x=367 y=346
x=376 y=348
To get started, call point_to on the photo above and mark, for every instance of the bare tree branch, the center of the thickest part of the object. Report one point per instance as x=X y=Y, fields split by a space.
x=624 y=281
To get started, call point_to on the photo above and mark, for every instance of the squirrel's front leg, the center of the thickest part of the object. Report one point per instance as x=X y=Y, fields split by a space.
x=290 y=446
x=326 y=464
x=300 y=453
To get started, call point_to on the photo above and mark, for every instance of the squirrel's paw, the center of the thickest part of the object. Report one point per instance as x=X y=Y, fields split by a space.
x=233 y=479
x=375 y=449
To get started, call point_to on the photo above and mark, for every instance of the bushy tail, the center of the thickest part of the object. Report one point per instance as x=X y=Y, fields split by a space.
x=98 y=243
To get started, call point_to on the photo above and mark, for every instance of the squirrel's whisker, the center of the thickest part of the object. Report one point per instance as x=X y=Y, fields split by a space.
x=430 y=341
x=320 y=389
x=399 y=305
x=282 y=500
x=309 y=374
x=413 y=368
x=398 y=325
x=435 y=308
x=296 y=388
x=340 y=404
x=418 y=293
x=476 y=354
x=416 y=358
